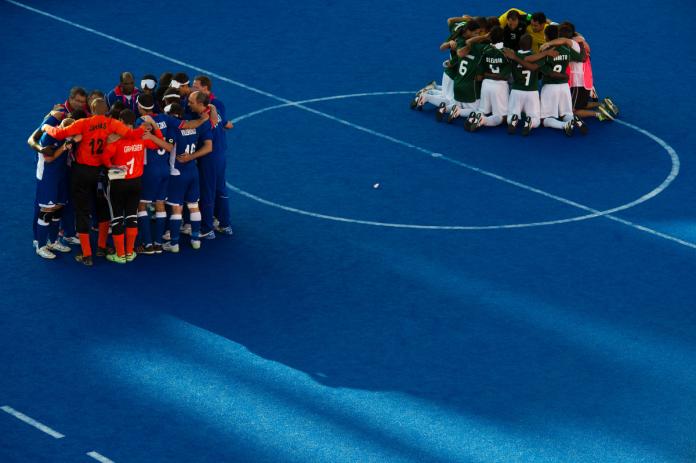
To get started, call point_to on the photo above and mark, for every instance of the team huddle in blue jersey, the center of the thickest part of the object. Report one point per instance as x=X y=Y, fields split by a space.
x=145 y=165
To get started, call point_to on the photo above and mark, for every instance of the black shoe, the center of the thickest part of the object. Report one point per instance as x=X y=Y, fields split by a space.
x=157 y=248
x=103 y=252
x=477 y=122
x=512 y=126
x=527 y=127
x=84 y=260
x=440 y=113
x=148 y=250
x=568 y=128
x=580 y=125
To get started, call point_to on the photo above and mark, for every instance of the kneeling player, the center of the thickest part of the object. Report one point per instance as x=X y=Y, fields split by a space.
x=184 y=186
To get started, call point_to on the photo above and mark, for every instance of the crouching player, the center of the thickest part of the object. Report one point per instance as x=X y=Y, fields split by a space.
x=184 y=187
x=125 y=159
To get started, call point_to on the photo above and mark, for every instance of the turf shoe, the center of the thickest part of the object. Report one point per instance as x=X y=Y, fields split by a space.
x=527 y=127
x=115 y=258
x=131 y=257
x=441 y=111
x=512 y=126
x=613 y=109
x=45 y=252
x=225 y=230
x=58 y=246
x=84 y=260
x=148 y=250
x=196 y=244
x=169 y=247
x=568 y=128
x=604 y=111
x=580 y=125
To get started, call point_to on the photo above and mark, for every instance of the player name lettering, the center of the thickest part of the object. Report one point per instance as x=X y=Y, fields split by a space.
x=186 y=132
x=129 y=148
x=562 y=58
x=494 y=60
x=99 y=126
x=162 y=125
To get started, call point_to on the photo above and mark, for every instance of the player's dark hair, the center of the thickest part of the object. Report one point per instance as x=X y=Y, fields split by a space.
x=497 y=34
x=569 y=24
x=492 y=21
x=77 y=114
x=149 y=77
x=75 y=91
x=472 y=26
x=171 y=91
x=539 y=17
x=181 y=77
x=205 y=81
x=146 y=100
x=95 y=93
x=526 y=42
x=127 y=117
x=116 y=109
x=165 y=79
x=124 y=75
x=482 y=22
x=201 y=98
x=566 y=31
x=177 y=110
x=551 y=32
x=514 y=14
x=99 y=107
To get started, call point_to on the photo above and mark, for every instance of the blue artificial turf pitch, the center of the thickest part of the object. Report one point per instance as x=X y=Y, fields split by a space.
x=479 y=305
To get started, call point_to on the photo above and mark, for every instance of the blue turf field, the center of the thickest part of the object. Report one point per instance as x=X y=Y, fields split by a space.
x=312 y=336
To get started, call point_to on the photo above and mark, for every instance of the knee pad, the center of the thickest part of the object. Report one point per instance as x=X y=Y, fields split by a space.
x=46 y=216
x=117 y=226
x=192 y=205
x=132 y=221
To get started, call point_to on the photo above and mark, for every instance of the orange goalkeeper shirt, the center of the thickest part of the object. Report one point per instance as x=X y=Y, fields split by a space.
x=94 y=131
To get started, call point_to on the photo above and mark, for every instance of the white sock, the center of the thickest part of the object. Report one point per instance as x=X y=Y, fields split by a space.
x=554 y=123
x=491 y=121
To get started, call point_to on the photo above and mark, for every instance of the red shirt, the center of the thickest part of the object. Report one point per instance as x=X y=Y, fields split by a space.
x=129 y=151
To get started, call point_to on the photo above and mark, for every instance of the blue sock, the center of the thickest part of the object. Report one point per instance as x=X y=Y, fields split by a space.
x=42 y=232
x=160 y=226
x=222 y=213
x=144 y=228
x=67 y=221
x=53 y=230
x=35 y=225
x=174 y=228
x=195 y=225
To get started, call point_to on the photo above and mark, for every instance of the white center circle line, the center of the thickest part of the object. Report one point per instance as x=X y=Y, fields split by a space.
x=593 y=213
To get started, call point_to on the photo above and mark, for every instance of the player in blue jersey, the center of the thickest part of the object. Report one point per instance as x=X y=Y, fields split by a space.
x=155 y=179
x=76 y=101
x=183 y=188
x=125 y=92
x=212 y=169
x=51 y=192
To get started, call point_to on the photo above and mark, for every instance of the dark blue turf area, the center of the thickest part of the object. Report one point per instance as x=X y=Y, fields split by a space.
x=311 y=337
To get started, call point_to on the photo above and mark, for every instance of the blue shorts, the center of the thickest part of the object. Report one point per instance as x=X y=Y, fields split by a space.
x=52 y=189
x=183 y=188
x=155 y=184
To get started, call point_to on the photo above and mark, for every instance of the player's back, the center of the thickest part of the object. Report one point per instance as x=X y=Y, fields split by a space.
x=559 y=64
x=524 y=79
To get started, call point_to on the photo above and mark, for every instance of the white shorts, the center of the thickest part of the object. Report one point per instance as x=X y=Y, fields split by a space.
x=447 y=87
x=494 y=97
x=556 y=101
x=522 y=101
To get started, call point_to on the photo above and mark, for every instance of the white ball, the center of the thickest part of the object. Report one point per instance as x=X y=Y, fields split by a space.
x=375 y=186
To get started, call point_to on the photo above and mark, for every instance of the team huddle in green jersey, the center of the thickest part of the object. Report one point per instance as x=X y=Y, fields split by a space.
x=519 y=69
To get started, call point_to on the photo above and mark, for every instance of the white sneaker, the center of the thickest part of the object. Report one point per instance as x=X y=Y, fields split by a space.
x=166 y=236
x=58 y=246
x=169 y=247
x=186 y=229
x=70 y=240
x=45 y=252
x=196 y=244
